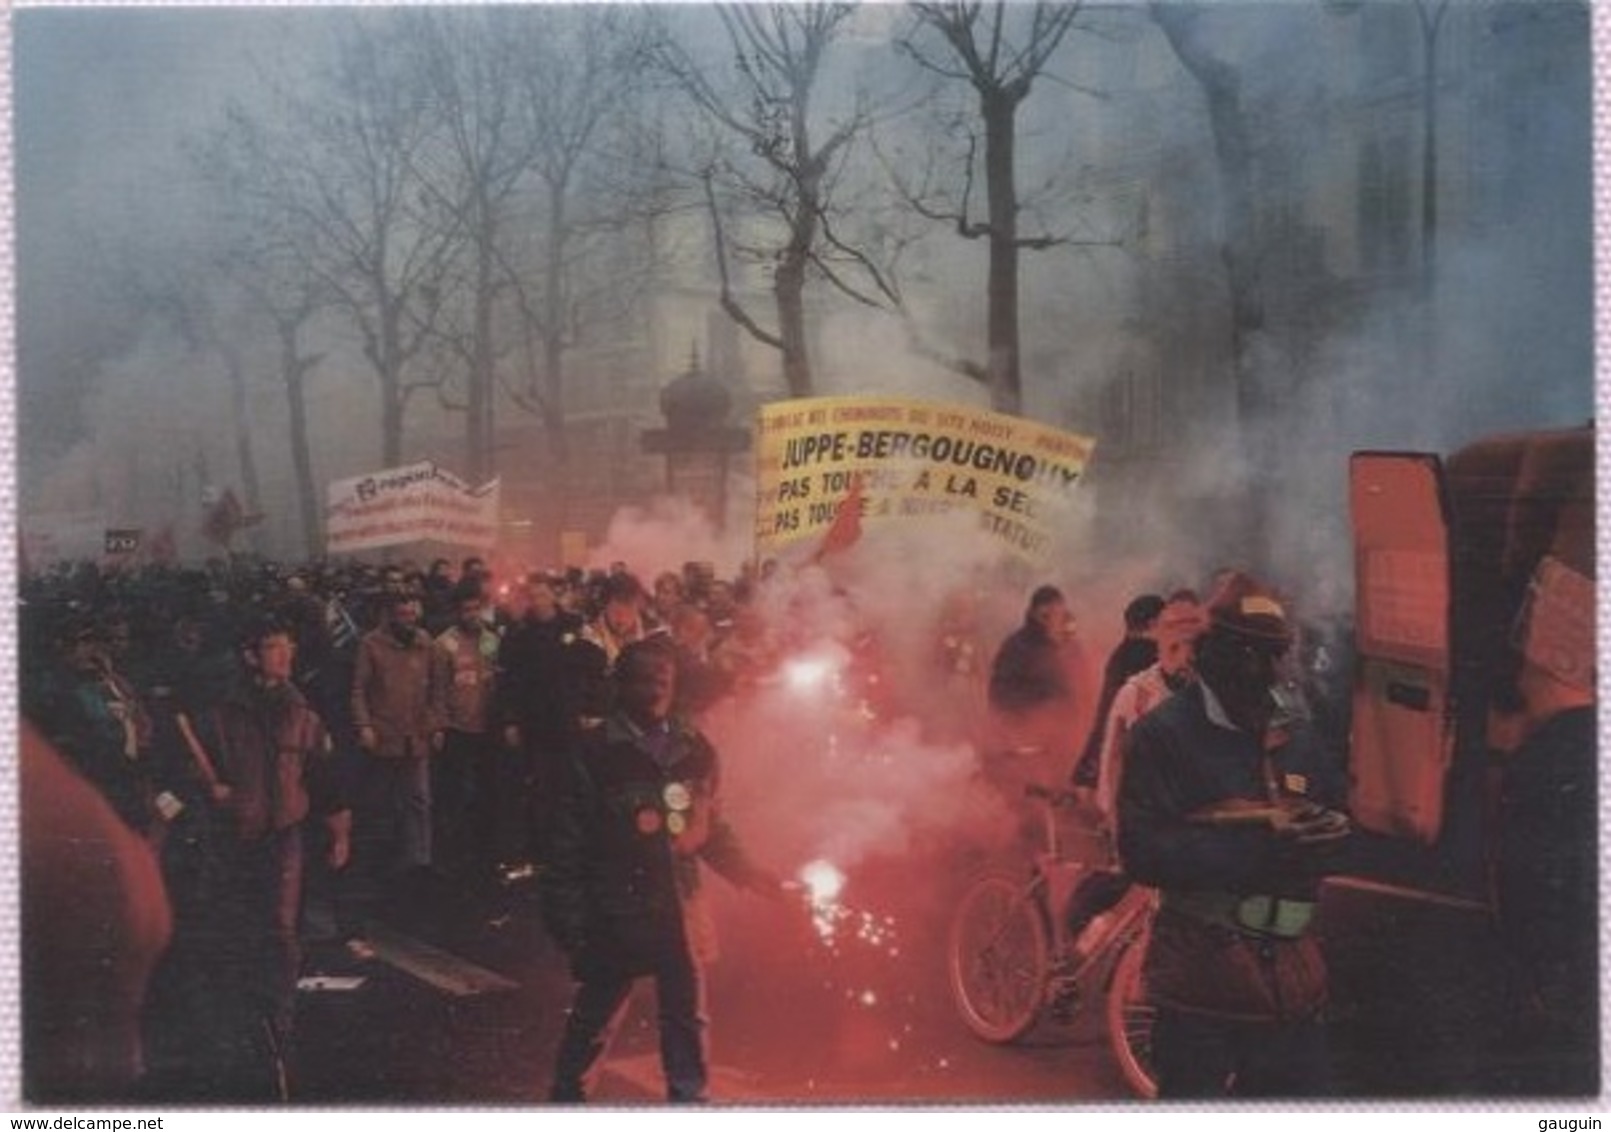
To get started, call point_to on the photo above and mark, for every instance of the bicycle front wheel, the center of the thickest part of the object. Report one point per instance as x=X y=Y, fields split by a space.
x=999 y=959
x=1130 y=1019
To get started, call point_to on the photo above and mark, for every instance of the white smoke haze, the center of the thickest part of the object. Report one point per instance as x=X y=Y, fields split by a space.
x=666 y=533
x=807 y=776
x=155 y=414
x=863 y=351
x=1510 y=335
x=810 y=772
x=1404 y=378
x=906 y=789
x=1139 y=318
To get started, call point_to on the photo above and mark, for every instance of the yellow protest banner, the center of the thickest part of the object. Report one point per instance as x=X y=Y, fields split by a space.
x=911 y=458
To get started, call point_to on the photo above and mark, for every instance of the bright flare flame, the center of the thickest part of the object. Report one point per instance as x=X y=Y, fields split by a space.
x=807 y=675
x=823 y=881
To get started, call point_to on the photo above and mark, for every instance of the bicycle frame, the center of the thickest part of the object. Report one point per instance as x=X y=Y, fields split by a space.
x=1012 y=958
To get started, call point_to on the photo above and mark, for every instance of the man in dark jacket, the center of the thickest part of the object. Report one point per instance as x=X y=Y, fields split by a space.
x=276 y=770
x=1035 y=697
x=467 y=773
x=94 y=716
x=1228 y=812
x=539 y=692
x=1135 y=652
x=638 y=810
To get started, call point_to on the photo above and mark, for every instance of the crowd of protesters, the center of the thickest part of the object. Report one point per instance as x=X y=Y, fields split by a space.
x=421 y=715
x=241 y=719
x=118 y=666
x=415 y=712
x=426 y=716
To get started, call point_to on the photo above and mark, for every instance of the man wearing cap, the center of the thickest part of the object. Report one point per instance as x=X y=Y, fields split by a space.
x=1229 y=813
x=95 y=717
x=638 y=811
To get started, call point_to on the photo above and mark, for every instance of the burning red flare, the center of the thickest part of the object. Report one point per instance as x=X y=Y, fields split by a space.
x=822 y=880
x=807 y=674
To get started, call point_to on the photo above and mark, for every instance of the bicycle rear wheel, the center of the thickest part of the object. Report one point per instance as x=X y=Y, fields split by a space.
x=999 y=959
x=1131 y=1017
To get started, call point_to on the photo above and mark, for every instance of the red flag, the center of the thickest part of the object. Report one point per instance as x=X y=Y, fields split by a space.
x=846 y=527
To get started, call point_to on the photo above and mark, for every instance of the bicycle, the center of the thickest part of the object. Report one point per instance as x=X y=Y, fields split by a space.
x=1012 y=960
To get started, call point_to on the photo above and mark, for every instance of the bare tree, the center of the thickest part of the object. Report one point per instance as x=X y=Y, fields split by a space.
x=1221 y=84
x=259 y=253
x=295 y=367
x=999 y=49
x=189 y=294
x=780 y=167
x=576 y=96
x=338 y=162
x=471 y=62
x=1430 y=14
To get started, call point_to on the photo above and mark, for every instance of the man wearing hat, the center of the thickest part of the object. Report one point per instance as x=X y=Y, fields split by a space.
x=1230 y=813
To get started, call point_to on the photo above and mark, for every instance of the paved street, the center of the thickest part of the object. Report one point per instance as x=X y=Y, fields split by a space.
x=464 y=1001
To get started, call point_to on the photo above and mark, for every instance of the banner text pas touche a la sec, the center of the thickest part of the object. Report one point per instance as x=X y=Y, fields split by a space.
x=913 y=459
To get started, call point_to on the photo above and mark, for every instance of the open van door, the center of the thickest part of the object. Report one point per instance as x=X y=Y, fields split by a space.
x=1403 y=725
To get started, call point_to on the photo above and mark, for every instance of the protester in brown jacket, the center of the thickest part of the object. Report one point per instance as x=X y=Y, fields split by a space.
x=399 y=696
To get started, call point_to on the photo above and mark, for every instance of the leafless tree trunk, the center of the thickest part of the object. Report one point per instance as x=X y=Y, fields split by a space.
x=999 y=49
x=334 y=166
x=575 y=99
x=472 y=64
x=295 y=366
x=778 y=54
x=1233 y=149
x=251 y=485
x=198 y=300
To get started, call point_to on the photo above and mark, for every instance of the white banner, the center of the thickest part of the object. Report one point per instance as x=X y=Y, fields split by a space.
x=414 y=503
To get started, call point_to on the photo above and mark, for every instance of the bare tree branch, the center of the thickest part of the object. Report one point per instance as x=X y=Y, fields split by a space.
x=729 y=304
